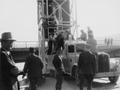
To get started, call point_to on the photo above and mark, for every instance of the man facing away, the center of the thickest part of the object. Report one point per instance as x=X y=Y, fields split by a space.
x=87 y=68
x=33 y=67
x=9 y=71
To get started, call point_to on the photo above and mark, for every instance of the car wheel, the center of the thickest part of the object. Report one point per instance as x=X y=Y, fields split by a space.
x=113 y=79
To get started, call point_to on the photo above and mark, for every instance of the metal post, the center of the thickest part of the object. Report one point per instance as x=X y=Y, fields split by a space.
x=47 y=8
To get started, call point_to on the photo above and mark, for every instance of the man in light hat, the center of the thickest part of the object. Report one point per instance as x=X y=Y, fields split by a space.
x=91 y=41
x=9 y=71
x=83 y=35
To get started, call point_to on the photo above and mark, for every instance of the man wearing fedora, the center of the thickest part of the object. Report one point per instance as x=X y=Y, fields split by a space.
x=9 y=71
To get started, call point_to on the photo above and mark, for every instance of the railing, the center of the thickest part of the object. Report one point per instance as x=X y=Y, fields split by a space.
x=27 y=44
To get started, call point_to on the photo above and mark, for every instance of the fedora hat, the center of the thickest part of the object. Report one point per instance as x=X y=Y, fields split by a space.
x=6 y=36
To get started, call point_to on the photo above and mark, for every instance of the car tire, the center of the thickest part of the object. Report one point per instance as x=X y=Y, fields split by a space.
x=113 y=79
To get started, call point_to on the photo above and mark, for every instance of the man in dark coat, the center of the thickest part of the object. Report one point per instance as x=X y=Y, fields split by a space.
x=33 y=67
x=58 y=64
x=50 y=44
x=59 y=41
x=87 y=68
x=9 y=71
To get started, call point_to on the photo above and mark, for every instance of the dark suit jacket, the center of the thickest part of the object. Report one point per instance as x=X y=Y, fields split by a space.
x=87 y=63
x=60 y=41
x=57 y=62
x=33 y=66
x=8 y=69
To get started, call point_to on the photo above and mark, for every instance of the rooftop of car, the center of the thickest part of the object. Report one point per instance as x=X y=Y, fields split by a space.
x=69 y=42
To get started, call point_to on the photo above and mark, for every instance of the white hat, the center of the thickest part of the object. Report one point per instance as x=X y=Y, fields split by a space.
x=6 y=36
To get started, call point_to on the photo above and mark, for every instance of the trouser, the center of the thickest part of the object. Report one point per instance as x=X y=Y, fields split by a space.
x=12 y=84
x=59 y=80
x=33 y=83
x=88 y=78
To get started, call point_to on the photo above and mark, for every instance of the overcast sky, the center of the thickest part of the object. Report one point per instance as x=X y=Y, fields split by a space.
x=20 y=17
x=103 y=16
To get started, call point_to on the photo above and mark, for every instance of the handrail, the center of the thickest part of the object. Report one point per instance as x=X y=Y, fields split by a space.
x=27 y=44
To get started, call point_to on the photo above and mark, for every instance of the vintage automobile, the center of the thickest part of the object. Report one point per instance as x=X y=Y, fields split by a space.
x=106 y=66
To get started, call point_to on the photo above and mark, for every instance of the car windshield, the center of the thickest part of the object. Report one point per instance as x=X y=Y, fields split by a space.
x=71 y=48
x=79 y=47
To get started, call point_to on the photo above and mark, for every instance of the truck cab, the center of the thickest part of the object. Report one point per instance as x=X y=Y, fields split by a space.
x=71 y=54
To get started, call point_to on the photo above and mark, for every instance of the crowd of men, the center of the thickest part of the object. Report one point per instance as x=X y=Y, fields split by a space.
x=34 y=65
x=90 y=39
x=8 y=70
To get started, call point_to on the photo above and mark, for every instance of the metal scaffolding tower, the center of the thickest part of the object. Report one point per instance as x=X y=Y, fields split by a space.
x=55 y=16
